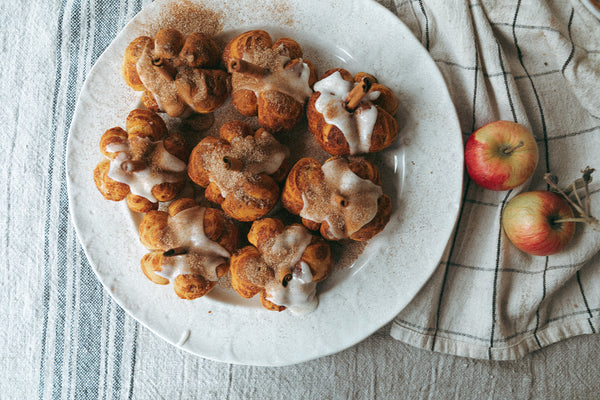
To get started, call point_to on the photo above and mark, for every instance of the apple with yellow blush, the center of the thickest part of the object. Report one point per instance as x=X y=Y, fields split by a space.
x=542 y=223
x=538 y=222
x=501 y=155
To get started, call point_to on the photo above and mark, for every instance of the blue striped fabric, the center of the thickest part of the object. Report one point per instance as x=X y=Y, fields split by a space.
x=75 y=361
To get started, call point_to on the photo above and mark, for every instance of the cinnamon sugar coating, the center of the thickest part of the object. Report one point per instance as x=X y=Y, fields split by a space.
x=277 y=93
x=143 y=164
x=190 y=247
x=179 y=75
x=240 y=170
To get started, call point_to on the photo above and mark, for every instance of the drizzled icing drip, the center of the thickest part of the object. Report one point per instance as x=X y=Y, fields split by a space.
x=300 y=294
x=202 y=255
x=360 y=195
x=164 y=167
x=259 y=154
x=282 y=254
x=292 y=80
x=357 y=127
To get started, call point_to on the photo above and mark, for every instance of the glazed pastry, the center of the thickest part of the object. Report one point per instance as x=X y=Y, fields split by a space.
x=352 y=115
x=191 y=247
x=269 y=79
x=240 y=170
x=144 y=164
x=342 y=198
x=179 y=75
x=283 y=264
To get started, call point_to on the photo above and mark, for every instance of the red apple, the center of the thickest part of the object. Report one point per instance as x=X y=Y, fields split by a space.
x=530 y=222
x=501 y=155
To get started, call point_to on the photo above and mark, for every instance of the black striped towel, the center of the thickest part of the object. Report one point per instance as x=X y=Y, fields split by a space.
x=536 y=63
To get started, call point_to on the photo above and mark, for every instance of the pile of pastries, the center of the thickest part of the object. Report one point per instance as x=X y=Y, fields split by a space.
x=245 y=174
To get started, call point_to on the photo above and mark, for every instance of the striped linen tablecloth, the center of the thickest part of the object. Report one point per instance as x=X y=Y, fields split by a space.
x=62 y=336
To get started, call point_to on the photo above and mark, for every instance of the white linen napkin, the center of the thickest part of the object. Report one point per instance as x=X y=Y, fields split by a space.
x=536 y=63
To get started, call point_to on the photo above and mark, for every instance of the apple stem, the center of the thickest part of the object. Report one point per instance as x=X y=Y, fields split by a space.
x=579 y=203
x=577 y=184
x=551 y=180
x=559 y=221
x=584 y=209
x=508 y=150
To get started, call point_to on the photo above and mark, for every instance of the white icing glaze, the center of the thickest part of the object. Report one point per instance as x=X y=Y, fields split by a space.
x=168 y=169
x=357 y=127
x=292 y=81
x=287 y=248
x=361 y=195
x=117 y=147
x=167 y=161
x=299 y=296
x=283 y=253
x=186 y=230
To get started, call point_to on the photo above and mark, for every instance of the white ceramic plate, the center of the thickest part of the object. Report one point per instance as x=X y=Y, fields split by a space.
x=422 y=173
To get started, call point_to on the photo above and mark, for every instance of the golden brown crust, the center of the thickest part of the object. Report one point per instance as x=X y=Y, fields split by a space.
x=110 y=189
x=255 y=195
x=386 y=100
x=113 y=136
x=269 y=305
x=307 y=173
x=191 y=63
x=384 y=211
x=251 y=274
x=140 y=204
x=238 y=263
x=145 y=124
x=180 y=205
x=264 y=229
x=196 y=170
x=152 y=262
x=133 y=52
x=277 y=111
x=168 y=43
x=332 y=139
x=200 y=50
x=154 y=234
x=146 y=131
x=245 y=102
x=292 y=47
x=190 y=287
x=153 y=224
x=149 y=101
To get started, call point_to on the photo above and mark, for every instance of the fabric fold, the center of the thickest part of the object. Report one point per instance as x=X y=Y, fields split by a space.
x=534 y=63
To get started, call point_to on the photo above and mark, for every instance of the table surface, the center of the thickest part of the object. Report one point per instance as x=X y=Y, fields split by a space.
x=122 y=363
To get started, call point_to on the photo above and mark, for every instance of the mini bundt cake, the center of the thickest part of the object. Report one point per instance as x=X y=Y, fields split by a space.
x=352 y=115
x=191 y=247
x=240 y=170
x=270 y=80
x=144 y=164
x=341 y=198
x=283 y=264
x=179 y=75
